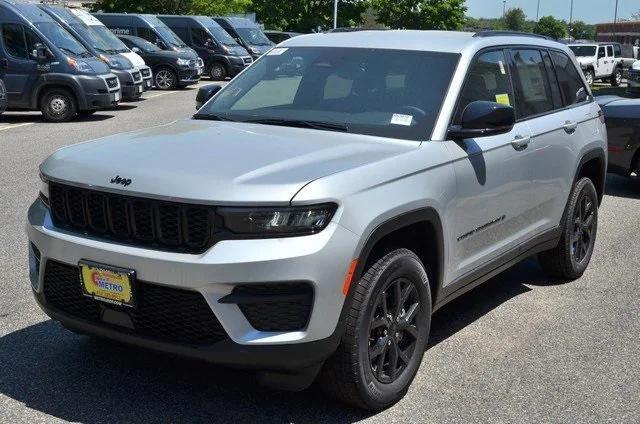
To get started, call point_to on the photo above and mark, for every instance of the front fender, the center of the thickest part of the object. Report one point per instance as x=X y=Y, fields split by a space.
x=54 y=79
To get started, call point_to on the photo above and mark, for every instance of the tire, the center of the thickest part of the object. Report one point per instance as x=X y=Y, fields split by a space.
x=165 y=79
x=351 y=375
x=58 y=105
x=570 y=258
x=590 y=76
x=218 y=72
x=616 y=77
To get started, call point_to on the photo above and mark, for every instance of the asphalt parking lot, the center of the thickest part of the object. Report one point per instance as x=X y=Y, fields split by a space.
x=521 y=348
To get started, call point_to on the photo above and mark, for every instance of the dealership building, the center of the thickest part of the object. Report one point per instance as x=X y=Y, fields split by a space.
x=621 y=32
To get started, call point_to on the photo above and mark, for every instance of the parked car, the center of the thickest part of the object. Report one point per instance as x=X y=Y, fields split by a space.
x=115 y=45
x=278 y=37
x=128 y=75
x=247 y=33
x=45 y=68
x=223 y=57
x=3 y=96
x=151 y=29
x=310 y=226
x=633 y=79
x=622 y=117
x=171 y=69
x=598 y=62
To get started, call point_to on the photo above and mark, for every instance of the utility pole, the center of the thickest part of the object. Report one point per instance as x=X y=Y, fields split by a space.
x=504 y=8
x=538 y=12
x=335 y=14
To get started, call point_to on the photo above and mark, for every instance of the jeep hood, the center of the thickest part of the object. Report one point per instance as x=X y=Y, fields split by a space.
x=585 y=60
x=217 y=162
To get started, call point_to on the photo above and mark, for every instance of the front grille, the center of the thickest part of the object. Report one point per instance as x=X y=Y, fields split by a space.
x=161 y=313
x=112 y=82
x=274 y=307
x=147 y=222
x=136 y=76
x=146 y=72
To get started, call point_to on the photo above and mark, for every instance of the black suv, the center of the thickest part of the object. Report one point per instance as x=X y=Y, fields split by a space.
x=171 y=69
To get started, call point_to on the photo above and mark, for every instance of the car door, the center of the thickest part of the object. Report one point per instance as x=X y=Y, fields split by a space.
x=491 y=215
x=20 y=70
x=539 y=103
x=601 y=62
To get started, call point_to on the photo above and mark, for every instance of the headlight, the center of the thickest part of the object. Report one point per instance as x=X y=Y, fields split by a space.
x=44 y=189
x=182 y=62
x=273 y=221
x=79 y=65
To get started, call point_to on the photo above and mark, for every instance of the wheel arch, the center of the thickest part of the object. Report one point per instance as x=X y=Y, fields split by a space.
x=58 y=81
x=418 y=230
x=593 y=164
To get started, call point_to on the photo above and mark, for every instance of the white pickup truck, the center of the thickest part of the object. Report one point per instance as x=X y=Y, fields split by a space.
x=598 y=62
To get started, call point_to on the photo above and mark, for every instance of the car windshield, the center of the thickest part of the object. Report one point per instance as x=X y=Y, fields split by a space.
x=388 y=93
x=108 y=38
x=170 y=37
x=583 y=50
x=146 y=46
x=222 y=36
x=253 y=36
x=89 y=37
x=62 y=39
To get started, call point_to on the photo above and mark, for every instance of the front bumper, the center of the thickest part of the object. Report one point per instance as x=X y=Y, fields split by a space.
x=131 y=83
x=147 y=77
x=238 y=64
x=189 y=75
x=321 y=260
x=101 y=91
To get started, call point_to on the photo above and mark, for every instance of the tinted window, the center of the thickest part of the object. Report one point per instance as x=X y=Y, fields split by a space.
x=182 y=33
x=583 y=50
x=386 y=93
x=487 y=80
x=571 y=85
x=14 y=43
x=199 y=37
x=610 y=51
x=553 y=81
x=147 y=34
x=617 y=50
x=533 y=94
x=601 y=52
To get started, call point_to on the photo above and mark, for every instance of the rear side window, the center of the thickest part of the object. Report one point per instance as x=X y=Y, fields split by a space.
x=601 y=52
x=533 y=94
x=571 y=85
x=610 y=51
x=13 y=39
x=617 y=51
x=487 y=80
x=556 y=95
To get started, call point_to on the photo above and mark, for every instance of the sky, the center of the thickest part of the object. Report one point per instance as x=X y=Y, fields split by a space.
x=590 y=11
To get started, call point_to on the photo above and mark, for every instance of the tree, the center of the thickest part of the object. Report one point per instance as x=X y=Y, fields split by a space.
x=581 y=31
x=551 y=27
x=515 y=20
x=421 y=14
x=307 y=15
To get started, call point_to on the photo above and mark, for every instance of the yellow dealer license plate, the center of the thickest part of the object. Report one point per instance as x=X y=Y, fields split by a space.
x=107 y=283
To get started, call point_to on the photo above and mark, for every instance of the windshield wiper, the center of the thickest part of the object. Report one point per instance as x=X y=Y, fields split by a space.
x=212 y=117
x=316 y=125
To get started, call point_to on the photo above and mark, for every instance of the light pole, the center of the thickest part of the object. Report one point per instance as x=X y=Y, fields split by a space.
x=538 y=12
x=570 y=18
x=615 y=20
x=335 y=14
x=504 y=8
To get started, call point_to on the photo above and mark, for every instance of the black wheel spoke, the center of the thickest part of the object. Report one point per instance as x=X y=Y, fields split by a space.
x=403 y=355
x=412 y=330
x=411 y=313
x=379 y=348
x=380 y=363
x=397 y=289
x=393 y=360
x=383 y=300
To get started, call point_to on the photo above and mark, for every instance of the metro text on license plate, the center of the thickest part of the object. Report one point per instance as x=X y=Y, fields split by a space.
x=108 y=284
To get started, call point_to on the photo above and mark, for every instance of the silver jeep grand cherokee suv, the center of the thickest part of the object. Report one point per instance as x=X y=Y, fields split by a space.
x=318 y=209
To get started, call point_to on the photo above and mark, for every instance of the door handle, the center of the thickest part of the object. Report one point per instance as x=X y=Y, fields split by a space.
x=570 y=127
x=520 y=142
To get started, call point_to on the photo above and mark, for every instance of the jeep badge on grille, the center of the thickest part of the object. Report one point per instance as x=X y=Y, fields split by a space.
x=119 y=180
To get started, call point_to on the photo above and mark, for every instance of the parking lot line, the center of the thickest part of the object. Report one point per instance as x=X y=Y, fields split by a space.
x=162 y=94
x=11 y=126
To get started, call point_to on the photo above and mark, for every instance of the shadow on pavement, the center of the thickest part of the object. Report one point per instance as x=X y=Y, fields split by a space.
x=618 y=186
x=81 y=379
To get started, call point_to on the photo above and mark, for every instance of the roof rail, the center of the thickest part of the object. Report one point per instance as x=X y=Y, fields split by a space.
x=496 y=33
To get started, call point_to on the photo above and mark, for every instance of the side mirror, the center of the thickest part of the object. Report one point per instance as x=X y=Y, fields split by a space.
x=483 y=119
x=41 y=53
x=206 y=93
x=161 y=44
x=136 y=50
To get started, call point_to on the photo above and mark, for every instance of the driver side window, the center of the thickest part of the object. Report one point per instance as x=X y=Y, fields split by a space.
x=488 y=80
x=199 y=37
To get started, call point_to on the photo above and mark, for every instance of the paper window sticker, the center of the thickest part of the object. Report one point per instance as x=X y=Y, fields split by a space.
x=400 y=119
x=503 y=99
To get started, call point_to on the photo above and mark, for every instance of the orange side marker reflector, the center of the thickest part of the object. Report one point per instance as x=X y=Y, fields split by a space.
x=349 y=277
